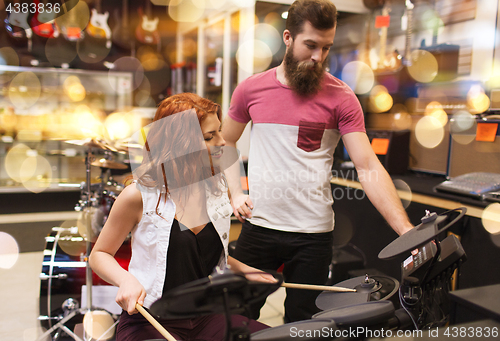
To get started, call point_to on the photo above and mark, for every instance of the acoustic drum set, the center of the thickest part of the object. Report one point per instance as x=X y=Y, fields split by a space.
x=66 y=280
x=354 y=309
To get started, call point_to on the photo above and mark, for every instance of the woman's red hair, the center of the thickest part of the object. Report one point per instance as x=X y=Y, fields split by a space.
x=170 y=142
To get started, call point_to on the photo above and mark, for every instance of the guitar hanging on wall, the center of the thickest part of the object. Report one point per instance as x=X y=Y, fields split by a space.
x=98 y=25
x=17 y=25
x=147 y=31
x=43 y=22
x=96 y=44
x=381 y=61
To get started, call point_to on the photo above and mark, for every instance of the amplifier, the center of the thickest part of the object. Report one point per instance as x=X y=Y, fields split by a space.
x=429 y=160
x=392 y=148
x=477 y=151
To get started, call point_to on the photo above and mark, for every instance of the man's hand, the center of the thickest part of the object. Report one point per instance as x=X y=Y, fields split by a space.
x=242 y=206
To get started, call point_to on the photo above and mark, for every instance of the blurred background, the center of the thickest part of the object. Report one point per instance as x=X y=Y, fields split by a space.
x=79 y=78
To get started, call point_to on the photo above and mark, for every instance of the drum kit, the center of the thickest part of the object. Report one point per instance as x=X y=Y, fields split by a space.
x=362 y=304
x=66 y=277
x=361 y=307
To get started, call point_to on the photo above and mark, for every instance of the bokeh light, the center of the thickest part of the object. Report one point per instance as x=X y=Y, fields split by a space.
x=401 y=118
x=424 y=66
x=119 y=125
x=216 y=4
x=70 y=240
x=463 y=127
x=90 y=223
x=189 y=48
x=261 y=53
x=60 y=51
x=150 y=59
x=41 y=173
x=185 y=10
x=8 y=56
x=9 y=251
x=99 y=324
x=266 y=34
x=74 y=21
x=380 y=99
x=127 y=64
x=404 y=192
x=477 y=100
x=429 y=132
x=243 y=3
x=358 y=76
x=24 y=90
x=273 y=19
x=491 y=218
x=431 y=21
x=435 y=109
x=14 y=160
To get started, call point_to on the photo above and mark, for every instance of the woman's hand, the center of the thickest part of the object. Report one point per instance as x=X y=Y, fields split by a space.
x=251 y=273
x=129 y=293
x=260 y=276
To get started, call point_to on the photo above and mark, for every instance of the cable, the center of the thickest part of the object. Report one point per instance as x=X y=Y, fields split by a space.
x=407 y=311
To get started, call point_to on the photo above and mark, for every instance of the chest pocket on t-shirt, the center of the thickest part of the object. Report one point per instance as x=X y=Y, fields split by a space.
x=310 y=135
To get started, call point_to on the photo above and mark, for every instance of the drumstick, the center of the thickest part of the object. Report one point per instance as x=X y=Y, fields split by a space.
x=155 y=323
x=316 y=287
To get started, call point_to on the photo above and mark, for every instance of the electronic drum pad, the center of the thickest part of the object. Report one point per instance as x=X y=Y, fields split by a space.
x=432 y=225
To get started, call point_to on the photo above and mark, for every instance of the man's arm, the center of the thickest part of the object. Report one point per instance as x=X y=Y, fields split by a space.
x=242 y=205
x=376 y=182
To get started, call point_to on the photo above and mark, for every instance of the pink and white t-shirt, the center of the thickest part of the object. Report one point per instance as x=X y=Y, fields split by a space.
x=292 y=142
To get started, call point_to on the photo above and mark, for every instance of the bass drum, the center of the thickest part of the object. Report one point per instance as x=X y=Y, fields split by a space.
x=64 y=271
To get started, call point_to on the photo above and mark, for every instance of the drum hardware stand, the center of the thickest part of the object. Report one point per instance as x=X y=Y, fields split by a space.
x=70 y=306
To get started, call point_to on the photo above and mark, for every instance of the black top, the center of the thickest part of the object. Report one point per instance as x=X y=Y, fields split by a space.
x=191 y=256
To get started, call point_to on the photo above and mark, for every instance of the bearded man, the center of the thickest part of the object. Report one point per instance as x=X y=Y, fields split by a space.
x=299 y=113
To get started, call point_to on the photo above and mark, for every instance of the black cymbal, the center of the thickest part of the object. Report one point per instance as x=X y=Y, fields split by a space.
x=368 y=288
x=208 y=295
x=431 y=226
x=359 y=315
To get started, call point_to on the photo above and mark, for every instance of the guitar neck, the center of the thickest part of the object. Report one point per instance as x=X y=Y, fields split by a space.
x=409 y=32
x=383 y=40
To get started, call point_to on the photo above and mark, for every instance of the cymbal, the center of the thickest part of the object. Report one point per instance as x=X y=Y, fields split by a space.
x=366 y=289
x=92 y=143
x=431 y=226
x=103 y=163
x=211 y=295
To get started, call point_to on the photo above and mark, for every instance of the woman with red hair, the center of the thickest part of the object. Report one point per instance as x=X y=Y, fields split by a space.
x=177 y=211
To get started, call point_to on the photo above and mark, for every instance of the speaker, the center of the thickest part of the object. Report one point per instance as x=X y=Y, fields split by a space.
x=476 y=150
x=429 y=160
x=392 y=148
x=447 y=58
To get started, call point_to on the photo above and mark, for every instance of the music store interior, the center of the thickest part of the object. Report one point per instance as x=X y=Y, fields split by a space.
x=76 y=85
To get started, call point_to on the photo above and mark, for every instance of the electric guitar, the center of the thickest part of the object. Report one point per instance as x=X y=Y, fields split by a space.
x=147 y=31
x=383 y=61
x=43 y=22
x=17 y=25
x=68 y=23
x=98 y=25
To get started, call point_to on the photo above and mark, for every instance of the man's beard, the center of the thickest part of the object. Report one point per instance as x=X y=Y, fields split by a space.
x=303 y=77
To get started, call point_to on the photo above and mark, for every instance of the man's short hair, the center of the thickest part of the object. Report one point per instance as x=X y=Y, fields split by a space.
x=322 y=14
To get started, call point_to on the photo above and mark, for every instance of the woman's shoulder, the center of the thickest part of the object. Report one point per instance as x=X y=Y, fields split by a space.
x=131 y=195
